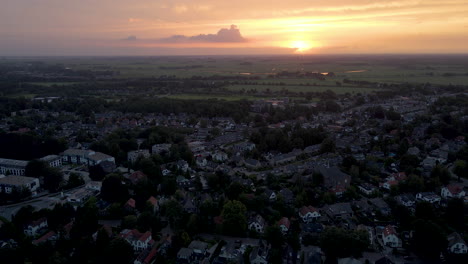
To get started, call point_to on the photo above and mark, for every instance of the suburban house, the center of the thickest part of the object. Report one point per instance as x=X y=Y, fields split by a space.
x=35 y=227
x=7 y=184
x=154 y=203
x=334 y=178
x=252 y=164
x=284 y=224
x=456 y=244
x=393 y=180
x=160 y=148
x=339 y=211
x=133 y=156
x=429 y=197
x=367 y=188
x=309 y=214
x=139 y=241
x=389 y=237
x=407 y=200
x=257 y=223
x=453 y=191
x=50 y=236
x=199 y=249
x=270 y=194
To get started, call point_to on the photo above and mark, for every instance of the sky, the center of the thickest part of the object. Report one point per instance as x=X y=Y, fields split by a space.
x=214 y=27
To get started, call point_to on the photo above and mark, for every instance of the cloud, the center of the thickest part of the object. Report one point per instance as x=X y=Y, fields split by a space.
x=130 y=38
x=224 y=35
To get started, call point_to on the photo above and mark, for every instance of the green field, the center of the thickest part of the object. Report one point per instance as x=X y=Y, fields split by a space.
x=219 y=97
x=304 y=89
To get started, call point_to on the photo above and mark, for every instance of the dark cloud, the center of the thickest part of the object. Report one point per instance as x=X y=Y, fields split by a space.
x=224 y=35
x=130 y=38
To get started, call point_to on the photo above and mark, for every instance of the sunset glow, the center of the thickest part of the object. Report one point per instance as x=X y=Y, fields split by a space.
x=148 y=27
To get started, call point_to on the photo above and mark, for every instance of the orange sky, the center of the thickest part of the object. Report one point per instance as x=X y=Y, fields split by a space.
x=101 y=27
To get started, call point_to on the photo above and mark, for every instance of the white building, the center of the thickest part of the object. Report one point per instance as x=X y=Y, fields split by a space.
x=160 y=148
x=33 y=228
x=257 y=223
x=389 y=237
x=453 y=191
x=13 y=167
x=7 y=184
x=139 y=241
x=53 y=161
x=89 y=157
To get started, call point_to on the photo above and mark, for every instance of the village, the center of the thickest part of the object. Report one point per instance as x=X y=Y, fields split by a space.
x=223 y=192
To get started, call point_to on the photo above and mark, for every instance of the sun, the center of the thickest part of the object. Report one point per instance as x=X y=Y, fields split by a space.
x=300 y=45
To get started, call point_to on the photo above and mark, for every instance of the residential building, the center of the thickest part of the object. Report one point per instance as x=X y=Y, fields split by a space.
x=9 y=183
x=453 y=191
x=309 y=214
x=13 y=167
x=389 y=237
x=139 y=241
x=35 y=227
x=53 y=161
x=456 y=244
x=257 y=223
x=284 y=224
x=133 y=156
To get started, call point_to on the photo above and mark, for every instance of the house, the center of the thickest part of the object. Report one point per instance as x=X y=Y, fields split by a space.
x=133 y=156
x=270 y=194
x=309 y=214
x=154 y=203
x=259 y=255
x=160 y=148
x=333 y=177
x=429 y=197
x=9 y=183
x=147 y=256
x=137 y=176
x=182 y=165
x=35 y=227
x=456 y=244
x=219 y=156
x=252 y=164
x=130 y=205
x=389 y=237
x=257 y=223
x=94 y=185
x=453 y=191
x=367 y=188
x=139 y=241
x=393 y=180
x=284 y=158
x=407 y=200
x=339 y=211
x=184 y=256
x=50 y=236
x=79 y=196
x=381 y=206
x=284 y=224
x=199 y=249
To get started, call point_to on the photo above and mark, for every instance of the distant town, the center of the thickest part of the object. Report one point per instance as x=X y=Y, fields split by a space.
x=284 y=176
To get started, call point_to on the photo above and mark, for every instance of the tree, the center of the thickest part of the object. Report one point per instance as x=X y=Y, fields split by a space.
x=74 y=180
x=52 y=179
x=119 y=251
x=461 y=169
x=113 y=190
x=174 y=213
x=274 y=236
x=234 y=219
x=455 y=213
x=428 y=239
x=328 y=145
x=338 y=243
x=441 y=173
